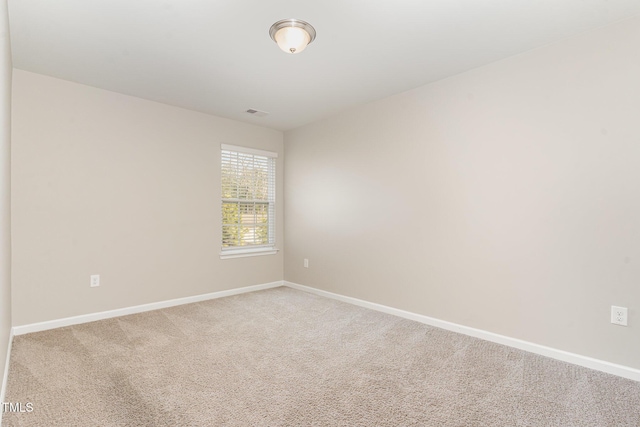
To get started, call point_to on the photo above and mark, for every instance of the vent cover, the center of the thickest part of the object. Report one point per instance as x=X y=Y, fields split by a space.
x=257 y=113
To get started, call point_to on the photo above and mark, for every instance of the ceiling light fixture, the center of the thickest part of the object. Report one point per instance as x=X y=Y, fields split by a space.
x=292 y=35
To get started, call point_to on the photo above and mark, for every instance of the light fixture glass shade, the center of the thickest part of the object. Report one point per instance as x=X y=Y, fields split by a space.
x=292 y=39
x=292 y=35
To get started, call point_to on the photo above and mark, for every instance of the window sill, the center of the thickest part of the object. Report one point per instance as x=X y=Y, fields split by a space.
x=242 y=253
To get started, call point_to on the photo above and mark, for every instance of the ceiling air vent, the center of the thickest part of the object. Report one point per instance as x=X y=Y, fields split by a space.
x=257 y=113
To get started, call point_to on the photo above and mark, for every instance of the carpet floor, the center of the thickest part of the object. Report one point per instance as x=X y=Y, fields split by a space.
x=283 y=357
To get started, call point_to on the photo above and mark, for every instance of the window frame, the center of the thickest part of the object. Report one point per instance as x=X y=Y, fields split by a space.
x=228 y=252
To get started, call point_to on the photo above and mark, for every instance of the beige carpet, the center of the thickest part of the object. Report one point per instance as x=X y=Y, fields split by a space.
x=282 y=357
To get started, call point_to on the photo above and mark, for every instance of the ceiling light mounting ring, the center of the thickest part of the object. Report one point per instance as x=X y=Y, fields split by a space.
x=292 y=35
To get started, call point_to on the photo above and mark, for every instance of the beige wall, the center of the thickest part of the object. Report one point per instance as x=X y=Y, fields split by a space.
x=114 y=185
x=506 y=198
x=5 y=184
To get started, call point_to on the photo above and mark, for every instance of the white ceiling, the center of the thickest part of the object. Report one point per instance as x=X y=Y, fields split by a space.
x=216 y=56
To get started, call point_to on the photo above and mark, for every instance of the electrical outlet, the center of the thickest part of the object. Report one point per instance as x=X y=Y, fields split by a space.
x=619 y=315
x=306 y=263
x=95 y=280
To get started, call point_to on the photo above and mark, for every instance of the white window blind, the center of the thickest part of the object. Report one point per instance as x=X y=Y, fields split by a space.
x=248 y=198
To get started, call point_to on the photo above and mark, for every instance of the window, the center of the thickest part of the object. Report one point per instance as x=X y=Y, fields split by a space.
x=248 y=202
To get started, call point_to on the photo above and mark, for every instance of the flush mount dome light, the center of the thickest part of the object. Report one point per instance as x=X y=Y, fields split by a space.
x=292 y=35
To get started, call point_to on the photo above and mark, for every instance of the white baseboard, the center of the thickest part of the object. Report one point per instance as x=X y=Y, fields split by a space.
x=565 y=356
x=5 y=376
x=92 y=317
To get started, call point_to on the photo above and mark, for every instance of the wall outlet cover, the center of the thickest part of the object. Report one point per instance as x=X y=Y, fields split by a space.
x=619 y=315
x=95 y=280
